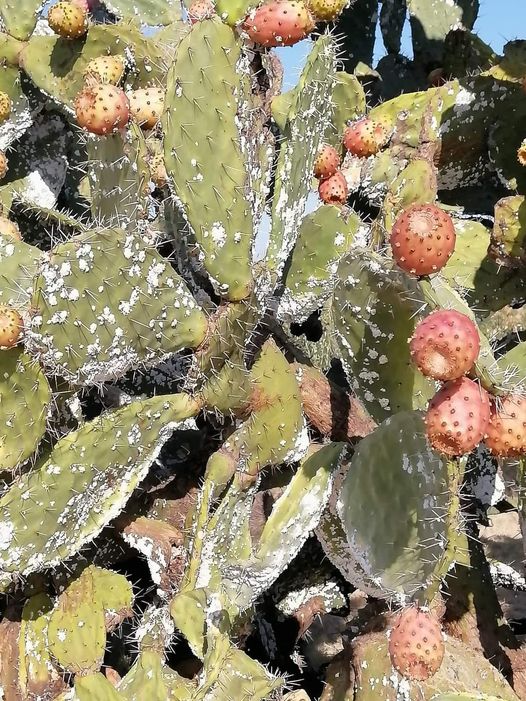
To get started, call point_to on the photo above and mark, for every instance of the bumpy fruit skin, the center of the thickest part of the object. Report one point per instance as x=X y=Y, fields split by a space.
x=199 y=10
x=279 y=23
x=106 y=69
x=158 y=173
x=68 y=20
x=327 y=162
x=102 y=109
x=10 y=327
x=146 y=106
x=457 y=417
x=423 y=239
x=5 y=107
x=9 y=228
x=334 y=190
x=365 y=137
x=326 y=10
x=3 y=165
x=416 y=645
x=506 y=432
x=445 y=345
x=521 y=153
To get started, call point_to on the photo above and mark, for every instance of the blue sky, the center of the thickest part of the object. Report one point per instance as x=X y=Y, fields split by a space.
x=498 y=22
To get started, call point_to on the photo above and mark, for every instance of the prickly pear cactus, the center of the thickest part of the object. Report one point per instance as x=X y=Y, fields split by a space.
x=233 y=434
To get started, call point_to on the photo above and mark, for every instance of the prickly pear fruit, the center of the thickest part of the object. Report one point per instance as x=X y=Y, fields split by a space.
x=333 y=190
x=457 y=417
x=106 y=69
x=445 y=345
x=85 y=5
x=326 y=10
x=423 y=239
x=279 y=23
x=416 y=645
x=506 y=431
x=10 y=326
x=3 y=165
x=158 y=172
x=68 y=20
x=9 y=228
x=199 y=10
x=327 y=162
x=5 y=107
x=521 y=153
x=365 y=137
x=146 y=106
x=101 y=108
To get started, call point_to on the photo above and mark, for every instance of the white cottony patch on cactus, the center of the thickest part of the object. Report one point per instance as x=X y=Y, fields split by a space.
x=6 y=534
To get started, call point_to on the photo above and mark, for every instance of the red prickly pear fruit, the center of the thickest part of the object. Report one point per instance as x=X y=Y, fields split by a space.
x=457 y=417
x=327 y=162
x=326 y=10
x=279 y=23
x=106 y=69
x=416 y=644
x=5 y=107
x=3 y=165
x=445 y=345
x=365 y=137
x=9 y=229
x=199 y=10
x=68 y=20
x=423 y=239
x=10 y=327
x=333 y=190
x=102 y=109
x=506 y=432
x=146 y=106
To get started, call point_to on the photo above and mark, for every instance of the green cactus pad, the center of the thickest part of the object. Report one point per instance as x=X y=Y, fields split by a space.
x=118 y=177
x=36 y=673
x=508 y=240
x=25 y=397
x=147 y=679
x=302 y=136
x=95 y=687
x=463 y=670
x=19 y=18
x=20 y=119
x=466 y=697
x=416 y=184
x=156 y=12
x=396 y=460
x=104 y=302
x=484 y=284
x=84 y=483
x=18 y=266
x=209 y=175
x=57 y=66
x=324 y=237
x=233 y=11
x=77 y=631
x=348 y=101
x=374 y=317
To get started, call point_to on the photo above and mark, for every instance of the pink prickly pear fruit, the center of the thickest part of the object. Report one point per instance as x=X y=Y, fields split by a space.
x=445 y=345
x=279 y=23
x=146 y=106
x=457 y=417
x=11 y=326
x=365 y=137
x=68 y=20
x=327 y=162
x=506 y=432
x=9 y=229
x=423 y=239
x=416 y=644
x=102 y=109
x=3 y=165
x=334 y=190
x=5 y=107
x=327 y=10
x=199 y=10
x=106 y=69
